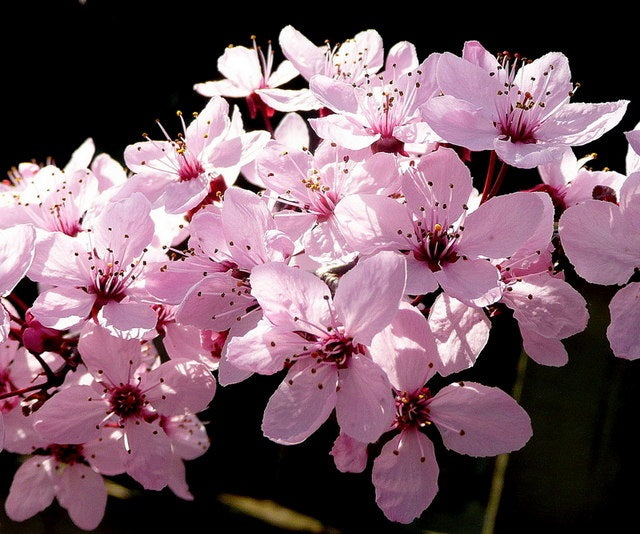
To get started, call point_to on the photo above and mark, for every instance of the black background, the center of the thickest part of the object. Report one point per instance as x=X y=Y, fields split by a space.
x=109 y=68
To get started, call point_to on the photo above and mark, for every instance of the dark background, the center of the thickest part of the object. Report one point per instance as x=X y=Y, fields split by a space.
x=109 y=68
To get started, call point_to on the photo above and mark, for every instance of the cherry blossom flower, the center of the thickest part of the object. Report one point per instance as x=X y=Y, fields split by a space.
x=317 y=183
x=445 y=245
x=518 y=108
x=248 y=73
x=323 y=341
x=383 y=113
x=127 y=395
x=16 y=255
x=178 y=174
x=601 y=240
x=633 y=152
x=97 y=274
x=568 y=182
x=472 y=419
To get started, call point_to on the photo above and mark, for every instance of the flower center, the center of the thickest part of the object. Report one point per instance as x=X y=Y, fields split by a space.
x=412 y=409
x=126 y=401
x=67 y=454
x=189 y=165
x=338 y=349
x=435 y=247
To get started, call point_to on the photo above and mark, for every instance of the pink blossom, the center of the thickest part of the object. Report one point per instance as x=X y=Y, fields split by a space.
x=249 y=73
x=323 y=342
x=633 y=152
x=178 y=174
x=601 y=241
x=568 y=181
x=317 y=183
x=383 y=113
x=97 y=274
x=472 y=419
x=16 y=256
x=129 y=396
x=518 y=108
x=446 y=245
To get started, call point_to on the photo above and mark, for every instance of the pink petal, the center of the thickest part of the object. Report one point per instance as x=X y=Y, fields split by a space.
x=289 y=100
x=344 y=130
x=547 y=305
x=306 y=57
x=364 y=407
x=59 y=260
x=179 y=197
x=349 y=455
x=265 y=349
x=405 y=476
x=245 y=221
x=460 y=331
x=149 y=461
x=406 y=350
x=499 y=227
x=71 y=415
x=548 y=80
x=292 y=131
x=207 y=234
x=460 y=122
x=32 y=489
x=215 y=303
x=82 y=492
x=221 y=88
x=183 y=341
x=477 y=54
x=442 y=185
x=125 y=227
x=402 y=57
x=337 y=95
x=230 y=155
x=527 y=155
x=364 y=313
x=81 y=156
x=420 y=279
x=543 y=350
x=595 y=241
x=127 y=319
x=107 y=357
x=478 y=420
x=188 y=436
x=580 y=123
x=302 y=402
x=371 y=223
x=629 y=200
x=62 y=307
x=228 y=373
x=178 y=479
x=210 y=124
x=107 y=454
x=16 y=254
x=179 y=386
x=474 y=282
x=285 y=293
x=623 y=333
x=240 y=65
x=467 y=81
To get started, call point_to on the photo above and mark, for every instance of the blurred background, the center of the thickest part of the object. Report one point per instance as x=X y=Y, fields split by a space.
x=107 y=69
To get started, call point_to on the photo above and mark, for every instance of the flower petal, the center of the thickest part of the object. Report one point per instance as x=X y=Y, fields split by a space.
x=82 y=492
x=405 y=476
x=32 y=488
x=622 y=333
x=478 y=420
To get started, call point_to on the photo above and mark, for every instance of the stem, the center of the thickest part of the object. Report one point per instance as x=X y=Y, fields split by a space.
x=15 y=299
x=267 y=120
x=489 y=177
x=500 y=468
x=498 y=183
x=21 y=391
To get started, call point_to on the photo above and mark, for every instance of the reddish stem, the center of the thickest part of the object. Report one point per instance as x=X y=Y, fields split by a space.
x=500 y=178
x=489 y=177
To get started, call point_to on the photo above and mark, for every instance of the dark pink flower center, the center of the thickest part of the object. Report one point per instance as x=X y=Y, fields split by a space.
x=435 y=247
x=67 y=454
x=412 y=409
x=189 y=165
x=338 y=349
x=126 y=401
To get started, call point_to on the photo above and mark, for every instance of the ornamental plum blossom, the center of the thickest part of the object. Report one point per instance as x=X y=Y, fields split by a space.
x=178 y=174
x=518 y=108
x=127 y=395
x=97 y=274
x=472 y=419
x=445 y=245
x=323 y=341
x=601 y=240
x=383 y=113
x=316 y=184
x=248 y=73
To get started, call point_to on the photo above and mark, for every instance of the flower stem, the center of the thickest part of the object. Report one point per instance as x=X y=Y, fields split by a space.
x=489 y=177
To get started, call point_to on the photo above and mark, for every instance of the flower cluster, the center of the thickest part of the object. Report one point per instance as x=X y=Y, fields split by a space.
x=345 y=249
